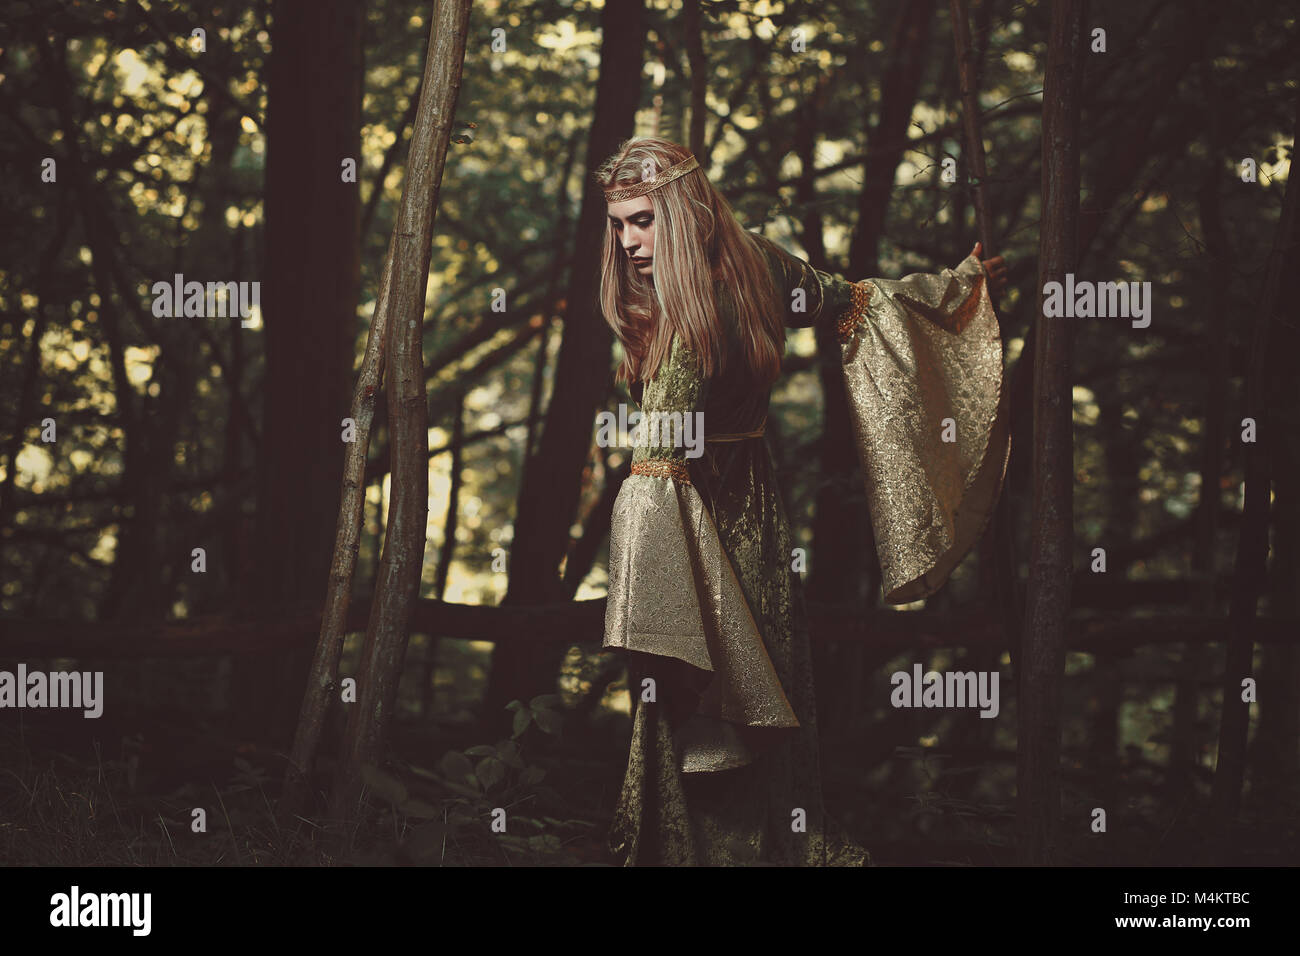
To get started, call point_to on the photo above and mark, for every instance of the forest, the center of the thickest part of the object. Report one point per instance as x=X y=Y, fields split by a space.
x=302 y=366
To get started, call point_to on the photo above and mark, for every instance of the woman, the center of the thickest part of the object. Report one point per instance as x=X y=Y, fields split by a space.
x=723 y=766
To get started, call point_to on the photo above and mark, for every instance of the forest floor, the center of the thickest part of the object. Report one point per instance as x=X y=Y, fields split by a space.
x=168 y=786
x=182 y=793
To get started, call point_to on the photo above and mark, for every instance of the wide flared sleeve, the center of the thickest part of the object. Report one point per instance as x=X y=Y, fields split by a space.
x=672 y=589
x=922 y=364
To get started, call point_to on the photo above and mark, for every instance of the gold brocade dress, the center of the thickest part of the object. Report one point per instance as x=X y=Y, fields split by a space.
x=723 y=767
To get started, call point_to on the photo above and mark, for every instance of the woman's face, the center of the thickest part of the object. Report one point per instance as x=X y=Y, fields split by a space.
x=633 y=222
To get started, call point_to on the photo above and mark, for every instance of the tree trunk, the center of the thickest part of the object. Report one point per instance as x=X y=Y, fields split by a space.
x=312 y=285
x=1047 y=603
x=844 y=563
x=699 y=67
x=995 y=554
x=398 y=583
x=1278 y=736
x=1263 y=395
x=446 y=553
x=24 y=413
x=323 y=681
x=134 y=591
x=548 y=497
x=1184 y=757
x=840 y=561
x=970 y=116
x=595 y=529
x=1106 y=691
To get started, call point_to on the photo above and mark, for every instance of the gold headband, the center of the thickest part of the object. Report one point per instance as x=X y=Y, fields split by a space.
x=620 y=193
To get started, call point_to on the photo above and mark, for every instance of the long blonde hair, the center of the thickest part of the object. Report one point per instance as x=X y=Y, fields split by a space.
x=697 y=239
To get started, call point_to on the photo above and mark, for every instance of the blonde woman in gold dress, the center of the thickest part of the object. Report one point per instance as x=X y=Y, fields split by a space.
x=724 y=766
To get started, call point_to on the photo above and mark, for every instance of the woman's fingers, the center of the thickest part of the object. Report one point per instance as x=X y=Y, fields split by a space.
x=995 y=268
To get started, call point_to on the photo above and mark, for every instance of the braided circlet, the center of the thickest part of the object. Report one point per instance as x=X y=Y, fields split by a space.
x=620 y=193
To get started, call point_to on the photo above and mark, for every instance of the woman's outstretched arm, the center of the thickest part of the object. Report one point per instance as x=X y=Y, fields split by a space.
x=813 y=296
x=922 y=363
x=810 y=295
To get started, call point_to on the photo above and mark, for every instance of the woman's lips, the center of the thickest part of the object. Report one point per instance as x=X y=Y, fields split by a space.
x=639 y=262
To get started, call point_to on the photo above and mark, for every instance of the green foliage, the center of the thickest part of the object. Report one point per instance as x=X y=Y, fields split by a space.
x=541 y=710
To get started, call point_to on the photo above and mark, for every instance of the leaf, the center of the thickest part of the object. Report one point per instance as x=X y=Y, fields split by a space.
x=542 y=701
x=522 y=719
x=456 y=766
x=383 y=784
x=514 y=705
x=490 y=772
x=508 y=751
x=532 y=776
x=481 y=750
x=548 y=720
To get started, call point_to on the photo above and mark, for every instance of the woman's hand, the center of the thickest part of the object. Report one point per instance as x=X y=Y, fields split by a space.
x=995 y=269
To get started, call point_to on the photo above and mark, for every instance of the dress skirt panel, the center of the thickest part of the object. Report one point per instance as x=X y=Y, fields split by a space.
x=699 y=790
x=673 y=592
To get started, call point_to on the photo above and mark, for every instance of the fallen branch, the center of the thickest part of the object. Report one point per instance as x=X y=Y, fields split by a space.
x=579 y=622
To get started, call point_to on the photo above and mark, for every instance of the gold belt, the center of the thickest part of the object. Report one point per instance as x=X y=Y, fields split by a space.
x=739 y=436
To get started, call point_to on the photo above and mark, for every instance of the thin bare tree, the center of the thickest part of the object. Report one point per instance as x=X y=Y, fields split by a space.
x=394 y=354
x=1263 y=390
x=398 y=582
x=1047 y=602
